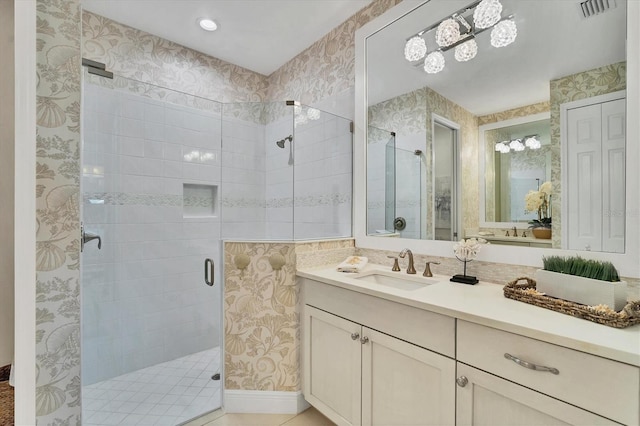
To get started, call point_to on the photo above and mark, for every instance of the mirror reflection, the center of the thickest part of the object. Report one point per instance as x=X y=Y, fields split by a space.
x=517 y=160
x=457 y=106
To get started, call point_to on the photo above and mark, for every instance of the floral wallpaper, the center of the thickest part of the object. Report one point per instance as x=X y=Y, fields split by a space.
x=327 y=67
x=57 y=204
x=138 y=55
x=514 y=113
x=262 y=312
x=595 y=82
x=262 y=333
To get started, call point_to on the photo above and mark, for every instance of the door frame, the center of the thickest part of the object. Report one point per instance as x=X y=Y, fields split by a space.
x=456 y=201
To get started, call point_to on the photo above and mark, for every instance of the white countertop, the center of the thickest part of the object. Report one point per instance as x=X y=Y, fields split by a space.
x=484 y=303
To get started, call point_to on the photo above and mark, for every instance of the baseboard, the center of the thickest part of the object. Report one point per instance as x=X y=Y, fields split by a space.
x=264 y=402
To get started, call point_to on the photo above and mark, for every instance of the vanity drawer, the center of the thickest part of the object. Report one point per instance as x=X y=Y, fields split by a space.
x=600 y=385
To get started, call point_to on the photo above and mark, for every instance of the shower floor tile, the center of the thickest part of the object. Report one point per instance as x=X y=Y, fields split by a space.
x=164 y=394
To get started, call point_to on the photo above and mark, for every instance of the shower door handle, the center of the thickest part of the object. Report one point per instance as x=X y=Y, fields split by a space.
x=209 y=270
x=88 y=236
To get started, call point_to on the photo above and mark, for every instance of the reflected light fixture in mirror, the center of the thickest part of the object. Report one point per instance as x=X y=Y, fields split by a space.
x=456 y=32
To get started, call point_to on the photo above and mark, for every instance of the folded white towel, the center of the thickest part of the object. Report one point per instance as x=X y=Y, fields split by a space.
x=353 y=264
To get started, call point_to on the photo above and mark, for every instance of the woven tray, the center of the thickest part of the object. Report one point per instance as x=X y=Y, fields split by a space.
x=525 y=292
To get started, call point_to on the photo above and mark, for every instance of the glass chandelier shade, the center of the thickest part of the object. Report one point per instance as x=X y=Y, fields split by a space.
x=504 y=33
x=503 y=147
x=516 y=145
x=466 y=51
x=532 y=142
x=487 y=13
x=448 y=32
x=415 y=49
x=434 y=62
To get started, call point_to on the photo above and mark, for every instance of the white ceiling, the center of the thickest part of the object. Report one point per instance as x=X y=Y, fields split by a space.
x=553 y=41
x=260 y=35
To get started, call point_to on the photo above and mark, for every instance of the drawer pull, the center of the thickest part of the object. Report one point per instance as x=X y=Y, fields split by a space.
x=355 y=336
x=531 y=366
x=364 y=340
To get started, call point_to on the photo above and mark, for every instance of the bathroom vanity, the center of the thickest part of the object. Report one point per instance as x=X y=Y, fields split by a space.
x=383 y=347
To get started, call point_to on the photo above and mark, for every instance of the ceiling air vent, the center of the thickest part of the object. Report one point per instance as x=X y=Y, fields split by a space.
x=594 y=7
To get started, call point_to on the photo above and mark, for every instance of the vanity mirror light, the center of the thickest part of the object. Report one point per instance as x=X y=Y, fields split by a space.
x=558 y=57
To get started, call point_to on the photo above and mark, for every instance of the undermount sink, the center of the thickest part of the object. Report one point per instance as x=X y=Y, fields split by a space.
x=397 y=280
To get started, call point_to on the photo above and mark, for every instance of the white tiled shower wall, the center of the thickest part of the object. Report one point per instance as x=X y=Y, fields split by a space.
x=143 y=296
x=243 y=175
x=322 y=189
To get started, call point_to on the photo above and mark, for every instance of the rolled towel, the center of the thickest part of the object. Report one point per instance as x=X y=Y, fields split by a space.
x=353 y=264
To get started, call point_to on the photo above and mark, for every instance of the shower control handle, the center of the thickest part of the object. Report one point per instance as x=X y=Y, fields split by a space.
x=209 y=270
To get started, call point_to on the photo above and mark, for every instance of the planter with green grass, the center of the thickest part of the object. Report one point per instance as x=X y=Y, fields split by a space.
x=589 y=282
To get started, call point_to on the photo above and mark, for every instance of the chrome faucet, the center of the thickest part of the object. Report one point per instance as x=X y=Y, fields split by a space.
x=410 y=268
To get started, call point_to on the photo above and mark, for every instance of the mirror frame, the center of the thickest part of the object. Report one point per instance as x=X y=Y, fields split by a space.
x=626 y=263
x=482 y=150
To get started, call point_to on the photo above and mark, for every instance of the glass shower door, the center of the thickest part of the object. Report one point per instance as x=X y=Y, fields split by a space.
x=151 y=326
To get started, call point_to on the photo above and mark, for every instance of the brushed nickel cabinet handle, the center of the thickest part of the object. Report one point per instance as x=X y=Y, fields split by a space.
x=355 y=336
x=530 y=365
x=364 y=340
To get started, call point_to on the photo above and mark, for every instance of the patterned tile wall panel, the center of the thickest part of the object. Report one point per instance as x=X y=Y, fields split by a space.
x=57 y=213
x=134 y=54
x=599 y=81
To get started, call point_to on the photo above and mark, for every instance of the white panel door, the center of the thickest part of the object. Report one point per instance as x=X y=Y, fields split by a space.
x=332 y=367
x=584 y=192
x=488 y=400
x=404 y=384
x=613 y=175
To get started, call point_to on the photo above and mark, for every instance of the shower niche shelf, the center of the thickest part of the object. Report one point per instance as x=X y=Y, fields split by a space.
x=199 y=200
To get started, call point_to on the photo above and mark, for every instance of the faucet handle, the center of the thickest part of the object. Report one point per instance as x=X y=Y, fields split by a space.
x=396 y=266
x=427 y=269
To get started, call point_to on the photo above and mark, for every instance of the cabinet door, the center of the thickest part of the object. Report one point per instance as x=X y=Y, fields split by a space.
x=404 y=384
x=332 y=366
x=492 y=401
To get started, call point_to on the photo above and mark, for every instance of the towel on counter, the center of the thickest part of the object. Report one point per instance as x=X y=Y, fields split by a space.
x=353 y=264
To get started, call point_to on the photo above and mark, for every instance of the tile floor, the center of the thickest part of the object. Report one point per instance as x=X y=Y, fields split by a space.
x=169 y=393
x=310 y=417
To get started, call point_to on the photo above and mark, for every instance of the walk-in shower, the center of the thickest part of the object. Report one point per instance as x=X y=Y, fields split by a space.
x=166 y=176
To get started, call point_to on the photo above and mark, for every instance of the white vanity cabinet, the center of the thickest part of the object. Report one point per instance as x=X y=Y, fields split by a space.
x=377 y=356
x=577 y=384
x=355 y=374
x=484 y=399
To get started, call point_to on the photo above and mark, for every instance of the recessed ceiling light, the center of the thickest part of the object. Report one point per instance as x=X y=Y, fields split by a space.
x=207 y=24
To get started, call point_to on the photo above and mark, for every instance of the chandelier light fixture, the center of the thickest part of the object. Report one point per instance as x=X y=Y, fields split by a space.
x=459 y=31
x=517 y=145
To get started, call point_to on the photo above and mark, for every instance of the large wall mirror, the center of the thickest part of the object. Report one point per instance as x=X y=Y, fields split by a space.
x=493 y=109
